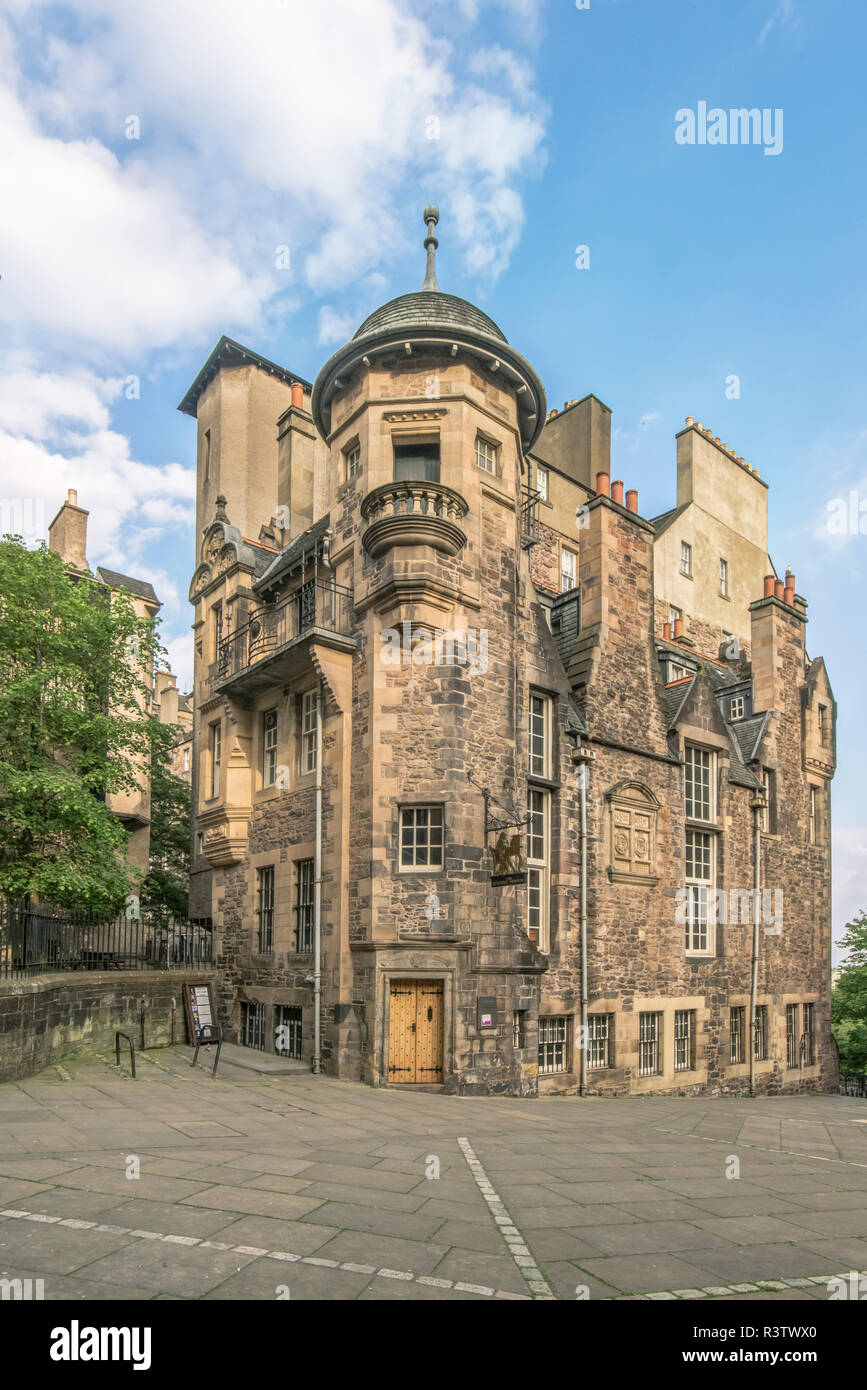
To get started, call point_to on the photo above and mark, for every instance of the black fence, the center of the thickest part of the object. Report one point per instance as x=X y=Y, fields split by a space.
x=854 y=1086
x=34 y=938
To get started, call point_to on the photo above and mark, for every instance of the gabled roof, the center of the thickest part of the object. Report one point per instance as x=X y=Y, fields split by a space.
x=138 y=587
x=228 y=353
x=663 y=521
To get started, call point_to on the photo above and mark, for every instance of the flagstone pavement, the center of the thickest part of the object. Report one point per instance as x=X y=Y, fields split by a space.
x=286 y=1185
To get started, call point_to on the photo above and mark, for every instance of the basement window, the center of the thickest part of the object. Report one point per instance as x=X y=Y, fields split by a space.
x=760 y=1042
x=599 y=1037
x=253 y=1026
x=649 y=1044
x=737 y=1049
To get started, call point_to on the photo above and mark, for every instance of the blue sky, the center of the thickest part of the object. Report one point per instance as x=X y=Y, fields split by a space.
x=537 y=127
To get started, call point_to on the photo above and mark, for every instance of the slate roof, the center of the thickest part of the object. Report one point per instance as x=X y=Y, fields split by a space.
x=139 y=587
x=748 y=733
x=281 y=566
x=429 y=309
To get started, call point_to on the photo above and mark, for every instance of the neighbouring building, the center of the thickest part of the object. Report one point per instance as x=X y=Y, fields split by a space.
x=496 y=782
x=67 y=537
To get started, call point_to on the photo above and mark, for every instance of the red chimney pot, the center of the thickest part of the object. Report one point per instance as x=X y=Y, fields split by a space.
x=603 y=484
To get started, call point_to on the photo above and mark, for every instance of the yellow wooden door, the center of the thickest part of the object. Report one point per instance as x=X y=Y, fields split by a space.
x=415 y=1033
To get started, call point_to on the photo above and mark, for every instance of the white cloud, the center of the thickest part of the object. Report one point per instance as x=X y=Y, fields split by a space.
x=850 y=876
x=783 y=16
x=335 y=327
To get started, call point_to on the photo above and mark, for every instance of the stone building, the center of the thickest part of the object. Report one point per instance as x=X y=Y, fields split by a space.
x=498 y=785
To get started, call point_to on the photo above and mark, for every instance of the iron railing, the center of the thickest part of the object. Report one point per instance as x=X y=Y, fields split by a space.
x=35 y=939
x=530 y=500
x=317 y=604
x=854 y=1085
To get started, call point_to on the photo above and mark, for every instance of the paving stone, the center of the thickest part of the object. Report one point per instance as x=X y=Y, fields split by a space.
x=651 y=1273
x=55 y=1249
x=254 y=1203
x=388 y=1223
x=384 y=1252
x=493 y=1271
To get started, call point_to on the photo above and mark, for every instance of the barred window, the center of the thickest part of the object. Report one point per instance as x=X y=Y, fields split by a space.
x=553 y=1037
x=309 y=722
x=807 y=1047
x=421 y=837
x=265 y=908
x=538 y=865
x=253 y=1026
x=684 y=1040
x=540 y=735
x=737 y=1050
x=649 y=1044
x=486 y=454
x=699 y=884
x=699 y=767
x=791 y=1035
x=304 y=902
x=287 y=1031
x=599 y=1030
x=760 y=1043
x=269 y=748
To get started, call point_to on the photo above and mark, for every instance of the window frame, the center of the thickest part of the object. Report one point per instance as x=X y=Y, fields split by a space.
x=573 y=554
x=543 y=480
x=724 y=578
x=600 y=1039
x=539 y=764
x=305 y=905
x=699 y=936
x=413 y=809
x=403 y=446
x=539 y=868
x=266 y=892
x=737 y=1035
x=760 y=1034
x=652 y=1039
x=741 y=702
x=215 y=747
x=269 y=748
x=351 y=461
x=556 y=1046
x=492 y=448
x=686 y=1060
x=307 y=732
x=686 y=559
x=792 y=1036
x=689 y=782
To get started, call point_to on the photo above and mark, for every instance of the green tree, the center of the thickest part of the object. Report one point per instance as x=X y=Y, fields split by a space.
x=75 y=669
x=849 y=1000
x=165 y=889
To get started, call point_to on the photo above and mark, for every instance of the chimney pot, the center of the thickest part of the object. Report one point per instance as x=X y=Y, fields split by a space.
x=769 y=585
x=666 y=631
x=690 y=420
x=632 y=500
x=72 y=496
x=298 y=395
x=603 y=484
x=617 y=491
x=678 y=628
x=779 y=589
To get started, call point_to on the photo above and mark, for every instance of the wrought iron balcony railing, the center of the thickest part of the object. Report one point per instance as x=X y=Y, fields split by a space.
x=317 y=606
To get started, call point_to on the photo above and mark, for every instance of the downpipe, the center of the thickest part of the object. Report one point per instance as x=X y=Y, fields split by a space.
x=757 y=805
x=317 y=897
x=583 y=757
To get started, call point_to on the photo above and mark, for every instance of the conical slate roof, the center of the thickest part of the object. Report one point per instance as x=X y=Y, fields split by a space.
x=429 y=309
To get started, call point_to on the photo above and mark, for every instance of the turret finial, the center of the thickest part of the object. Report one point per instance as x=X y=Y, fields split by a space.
x=431 y=217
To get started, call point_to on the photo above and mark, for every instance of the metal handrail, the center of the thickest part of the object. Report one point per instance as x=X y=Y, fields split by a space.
x=117 y=1037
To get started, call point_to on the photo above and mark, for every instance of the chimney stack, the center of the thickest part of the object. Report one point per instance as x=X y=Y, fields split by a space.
x=67 y=534
x=789 y=591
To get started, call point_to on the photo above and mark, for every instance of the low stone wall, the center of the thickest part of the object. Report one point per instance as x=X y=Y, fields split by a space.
x=46 y=1015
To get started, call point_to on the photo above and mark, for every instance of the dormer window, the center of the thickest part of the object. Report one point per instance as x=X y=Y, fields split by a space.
x=736 y=707
x=676 y=672
x=417 y=463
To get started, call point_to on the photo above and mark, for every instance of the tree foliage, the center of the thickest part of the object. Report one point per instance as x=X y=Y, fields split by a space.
x=165 y=889
x=849 y=1000
x=75 y=675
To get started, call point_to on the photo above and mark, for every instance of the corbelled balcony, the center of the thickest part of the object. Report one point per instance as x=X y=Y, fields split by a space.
x=413 y=513
x=271 y=647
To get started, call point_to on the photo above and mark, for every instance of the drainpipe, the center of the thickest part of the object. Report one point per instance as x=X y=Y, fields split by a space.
x=757 y=804
x=317 y=897
x=582 y=756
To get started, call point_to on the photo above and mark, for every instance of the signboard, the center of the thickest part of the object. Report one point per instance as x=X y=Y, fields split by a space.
x=199 y=1009
x=487 y=1012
